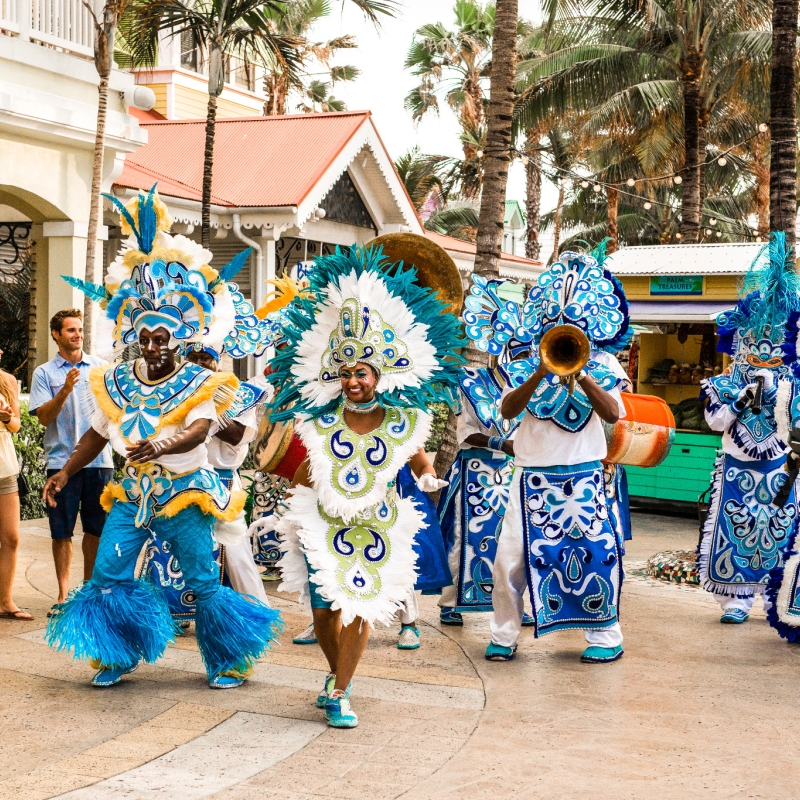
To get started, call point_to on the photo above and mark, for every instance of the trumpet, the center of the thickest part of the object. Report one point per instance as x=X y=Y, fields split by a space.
x=565 y=350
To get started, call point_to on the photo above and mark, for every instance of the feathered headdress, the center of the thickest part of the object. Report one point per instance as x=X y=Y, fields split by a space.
x=361 y=308
x=576 y=290
x=494 y=324
x=160 y=280
x=273 y=311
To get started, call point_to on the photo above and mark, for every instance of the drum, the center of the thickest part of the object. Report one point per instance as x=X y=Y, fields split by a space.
x=643 y=438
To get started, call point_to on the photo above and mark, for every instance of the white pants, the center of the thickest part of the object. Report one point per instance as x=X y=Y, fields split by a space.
x=408 y=613
x=742 y=603
x=449 y=596
x=510 y=581
x=242 y=570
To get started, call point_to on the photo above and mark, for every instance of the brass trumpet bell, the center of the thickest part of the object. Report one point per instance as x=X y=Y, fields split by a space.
x=565 y=351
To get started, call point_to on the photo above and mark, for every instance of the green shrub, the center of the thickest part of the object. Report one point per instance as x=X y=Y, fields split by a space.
x=29 y=444
x=440 y=414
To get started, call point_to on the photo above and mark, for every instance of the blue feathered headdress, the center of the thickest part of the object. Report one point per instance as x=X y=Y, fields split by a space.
x=360 y=307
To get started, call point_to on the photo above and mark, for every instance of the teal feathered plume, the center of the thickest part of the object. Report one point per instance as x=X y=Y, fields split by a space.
x=775 y=286
x=232 y=268
x=146 y=229
x=94 y=291
x=598 y=252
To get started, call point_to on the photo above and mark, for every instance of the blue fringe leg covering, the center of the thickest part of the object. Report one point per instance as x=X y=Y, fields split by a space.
x=117 y=626
x=234 y=631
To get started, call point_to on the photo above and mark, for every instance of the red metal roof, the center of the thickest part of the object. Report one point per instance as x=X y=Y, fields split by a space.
x=460 y=246
x=258 y=161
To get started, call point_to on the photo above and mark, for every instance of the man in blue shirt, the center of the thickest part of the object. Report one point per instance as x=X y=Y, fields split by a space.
x=57 y=398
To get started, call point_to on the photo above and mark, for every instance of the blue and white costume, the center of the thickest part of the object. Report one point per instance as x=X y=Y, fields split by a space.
x=745 y=535
x=557 y=537
x=115 y=621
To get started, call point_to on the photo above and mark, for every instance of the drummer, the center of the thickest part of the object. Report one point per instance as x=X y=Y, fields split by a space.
x=566 y=550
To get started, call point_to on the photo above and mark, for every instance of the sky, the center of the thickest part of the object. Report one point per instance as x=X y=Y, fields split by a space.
x=384 y=83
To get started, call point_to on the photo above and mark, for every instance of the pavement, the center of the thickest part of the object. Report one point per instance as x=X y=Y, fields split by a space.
x=694 y=709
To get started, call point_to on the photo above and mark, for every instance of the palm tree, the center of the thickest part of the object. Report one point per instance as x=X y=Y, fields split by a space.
x=496 y=160
x=220 y=28
x=783 y=118
x=317 y=93
x=659 y=68
x=454 y=60
x=296 y=19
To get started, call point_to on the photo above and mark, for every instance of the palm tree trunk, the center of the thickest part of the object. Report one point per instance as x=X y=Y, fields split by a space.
x=533 y=197
x=497 y=157
x=690 y=197
x=208 y=167
x=612 y=228
x=31 y=256
x=783 y=119
x=557 y=225
x=761 y=189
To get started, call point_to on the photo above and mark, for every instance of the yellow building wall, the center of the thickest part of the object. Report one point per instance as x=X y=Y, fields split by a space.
x=160 y=91
x=192 y=104
x=715 y=287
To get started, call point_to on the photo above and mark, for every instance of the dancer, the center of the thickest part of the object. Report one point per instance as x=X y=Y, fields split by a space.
x=556 y=535
x=471 y=510
x=159 y=293
x=364 y=360
x=745 y=534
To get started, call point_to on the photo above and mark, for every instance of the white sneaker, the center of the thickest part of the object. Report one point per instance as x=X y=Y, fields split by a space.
x=408 y=638
x=308 y=636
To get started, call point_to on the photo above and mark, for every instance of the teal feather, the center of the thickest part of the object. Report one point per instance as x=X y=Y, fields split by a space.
x=775 y=286
x=599 y=251
x=93 y=291
x=125 y=214
x=232 y=268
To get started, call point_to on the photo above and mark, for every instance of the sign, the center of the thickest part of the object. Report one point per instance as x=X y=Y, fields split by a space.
x=676 y=284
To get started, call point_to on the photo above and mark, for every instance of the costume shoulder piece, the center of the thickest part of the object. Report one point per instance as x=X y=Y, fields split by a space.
x=352 y=472
x=760 y=334
x=359 y=307
x=141 y=407
x=482 y=389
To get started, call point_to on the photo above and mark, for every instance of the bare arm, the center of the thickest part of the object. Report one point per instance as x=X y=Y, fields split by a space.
x=183 y=442
x=49 y=411
x=9 y=409
x=514 y=402
x=89 y=446
x=232 y=433
x=420 y=464
x=602 y=402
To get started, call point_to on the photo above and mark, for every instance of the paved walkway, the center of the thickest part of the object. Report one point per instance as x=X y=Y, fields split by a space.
x=694 y=709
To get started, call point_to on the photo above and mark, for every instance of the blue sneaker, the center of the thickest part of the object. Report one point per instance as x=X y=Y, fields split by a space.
x=496 y=652
x=327 y=689
x=338 y=711
x=449 y=616
x=527 y=620
x=225 y=682
x=110 y=676
x=734 y=616
x=601 y=655
x=408 y=638
x=308 y=636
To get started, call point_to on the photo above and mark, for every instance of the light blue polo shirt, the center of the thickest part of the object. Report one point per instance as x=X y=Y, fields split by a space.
x=61 y=436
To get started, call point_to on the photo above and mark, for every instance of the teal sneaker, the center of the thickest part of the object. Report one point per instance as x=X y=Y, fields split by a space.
x=338 y=711
x=601 y=655
x=327 y=688
x=104 y=678
x=527 y=620
x=408 y=638
x=449 y=616
x=734 y=616
x=225 y=682
x=496 y=652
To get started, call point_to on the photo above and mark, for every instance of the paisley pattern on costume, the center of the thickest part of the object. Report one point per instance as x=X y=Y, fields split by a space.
x=140 y=406
x=482 y=389
x=783 y=590
x=477 y=496
x=268 y=491
x=248 y=395
x=250 y=336
x=160 y=493
x=574 y=555
x=576 y=290
x=552 y=400
x=745 y=535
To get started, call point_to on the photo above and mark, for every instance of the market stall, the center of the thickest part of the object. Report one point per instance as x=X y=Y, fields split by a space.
x=674 y=294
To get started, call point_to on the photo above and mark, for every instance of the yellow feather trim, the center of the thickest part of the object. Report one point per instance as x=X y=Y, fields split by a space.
x=206 y=504
x=219 y=386
x=236 y=672
x=97 y=385
x=112 y=492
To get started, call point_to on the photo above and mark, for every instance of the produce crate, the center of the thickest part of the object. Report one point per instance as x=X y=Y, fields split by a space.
x=683 y=475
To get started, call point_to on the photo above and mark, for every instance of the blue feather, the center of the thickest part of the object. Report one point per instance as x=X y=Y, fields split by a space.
x=94 y=291
x=148 y=222
x=231 y=269
x=126 y=215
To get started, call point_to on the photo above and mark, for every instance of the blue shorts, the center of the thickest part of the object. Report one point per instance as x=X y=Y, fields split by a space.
x=317 y=600
x=80 y=495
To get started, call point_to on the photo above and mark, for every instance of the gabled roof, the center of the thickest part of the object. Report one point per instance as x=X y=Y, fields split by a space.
x=684 y=259
x=258 y=161
x=514 y=209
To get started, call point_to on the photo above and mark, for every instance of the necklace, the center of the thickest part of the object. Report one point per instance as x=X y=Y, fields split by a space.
x=363 y=408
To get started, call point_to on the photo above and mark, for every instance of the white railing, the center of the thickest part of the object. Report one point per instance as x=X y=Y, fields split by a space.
x=61 y=24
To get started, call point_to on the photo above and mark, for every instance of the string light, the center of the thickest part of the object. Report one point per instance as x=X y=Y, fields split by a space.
x=762 y=127
x=597 y=187
x=479 y=154
x=677 y=180
x=712 y=221
x=719 y=234
x=708 y=231
x=758 y=238
x=631 y=182
x=585 y=184
x=678 y=235
x=648 y=206
x=722 y=161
